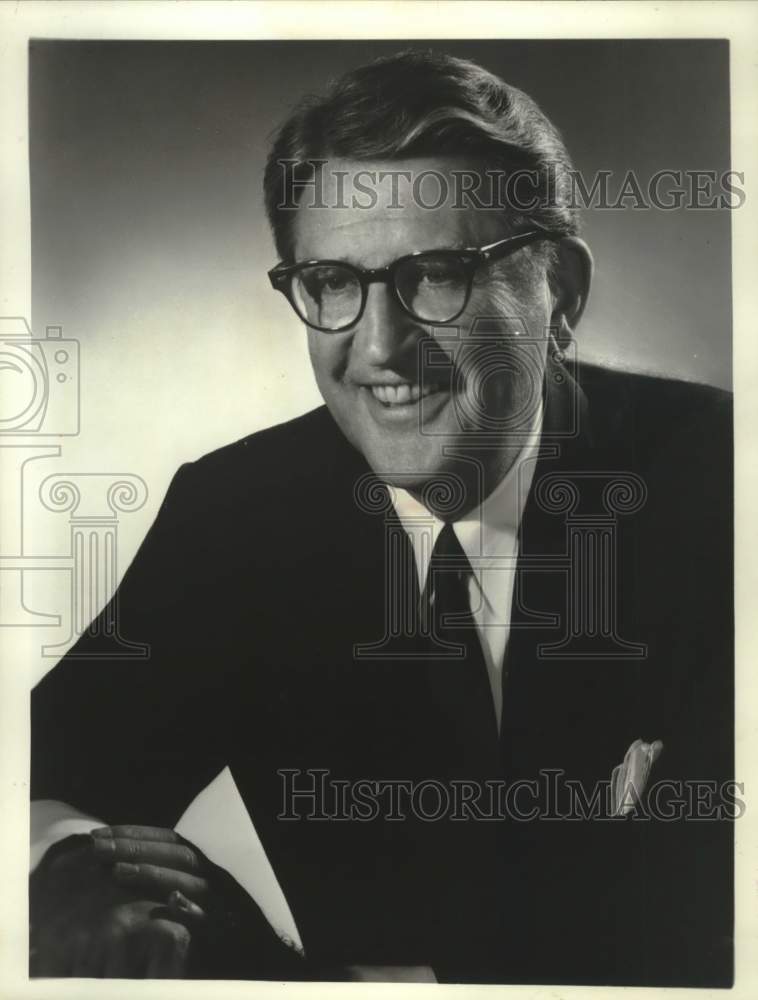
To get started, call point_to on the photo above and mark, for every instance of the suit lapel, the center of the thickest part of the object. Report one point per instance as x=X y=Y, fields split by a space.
x=546 y=702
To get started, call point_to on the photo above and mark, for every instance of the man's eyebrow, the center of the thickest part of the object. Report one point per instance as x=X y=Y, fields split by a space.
x=348 y=259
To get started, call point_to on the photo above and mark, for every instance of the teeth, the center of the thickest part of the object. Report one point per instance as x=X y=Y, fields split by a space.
x=399 y=395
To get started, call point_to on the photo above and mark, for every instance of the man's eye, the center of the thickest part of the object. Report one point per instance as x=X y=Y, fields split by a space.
x=336 y=282
x=327 y=283
x=439 y=274
x=332 y=282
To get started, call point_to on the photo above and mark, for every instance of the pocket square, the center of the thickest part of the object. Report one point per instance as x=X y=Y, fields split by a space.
x=629 y=779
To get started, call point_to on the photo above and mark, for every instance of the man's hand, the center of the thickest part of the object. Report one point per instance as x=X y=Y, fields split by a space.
x=159 y=863
x=138 y=901
x=84 y=924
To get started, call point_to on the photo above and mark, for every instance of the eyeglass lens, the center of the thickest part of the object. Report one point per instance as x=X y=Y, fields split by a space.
x=433 y=287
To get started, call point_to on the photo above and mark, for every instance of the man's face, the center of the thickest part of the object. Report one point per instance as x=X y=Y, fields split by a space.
x=484 y=383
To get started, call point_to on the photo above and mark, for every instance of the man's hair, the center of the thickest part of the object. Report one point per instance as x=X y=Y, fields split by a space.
x=419 y=104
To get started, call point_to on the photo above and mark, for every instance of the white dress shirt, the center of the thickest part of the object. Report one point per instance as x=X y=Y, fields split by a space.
x=488 y=535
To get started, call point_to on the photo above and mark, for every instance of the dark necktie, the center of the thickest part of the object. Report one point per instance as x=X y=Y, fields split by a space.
x=461 y=696
x=457 y=862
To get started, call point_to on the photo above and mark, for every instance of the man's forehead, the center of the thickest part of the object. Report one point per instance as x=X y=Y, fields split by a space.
x=426 y=183
x=409 y=204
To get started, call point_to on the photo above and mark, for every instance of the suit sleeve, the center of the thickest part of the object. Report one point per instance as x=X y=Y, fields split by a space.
x=134 y=739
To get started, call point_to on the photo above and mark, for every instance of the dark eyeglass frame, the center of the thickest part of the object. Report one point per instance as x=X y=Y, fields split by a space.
x=472 y=259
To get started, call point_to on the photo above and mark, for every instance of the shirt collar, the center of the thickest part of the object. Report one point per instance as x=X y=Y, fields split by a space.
x=487 y=532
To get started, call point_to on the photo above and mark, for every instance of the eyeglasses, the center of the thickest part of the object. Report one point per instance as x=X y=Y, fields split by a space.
x=432 y=286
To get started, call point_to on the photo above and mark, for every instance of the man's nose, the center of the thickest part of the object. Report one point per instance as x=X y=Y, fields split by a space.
x=385 y=333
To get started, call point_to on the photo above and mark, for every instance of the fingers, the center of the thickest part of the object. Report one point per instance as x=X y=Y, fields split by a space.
x=162 y=853
x=153 y=860
x=139 y=946
x=150 y=948
x=156 y=882
x=130 y=831
x=165 y=947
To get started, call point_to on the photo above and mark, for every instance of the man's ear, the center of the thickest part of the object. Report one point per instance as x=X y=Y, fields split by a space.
x=571 y=280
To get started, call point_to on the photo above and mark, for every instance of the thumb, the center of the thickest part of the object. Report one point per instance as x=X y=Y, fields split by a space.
x=183 y=909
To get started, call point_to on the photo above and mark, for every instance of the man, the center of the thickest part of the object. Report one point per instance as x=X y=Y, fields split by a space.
x=482 y=577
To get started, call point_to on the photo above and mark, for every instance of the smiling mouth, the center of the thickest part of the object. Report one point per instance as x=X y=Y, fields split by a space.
x=403 y=395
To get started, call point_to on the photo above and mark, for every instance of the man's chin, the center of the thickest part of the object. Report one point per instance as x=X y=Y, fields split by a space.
x=428 y=471
x=414 y=482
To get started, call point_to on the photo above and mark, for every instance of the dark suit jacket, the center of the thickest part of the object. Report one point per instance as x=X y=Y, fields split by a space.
x=260 y=575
